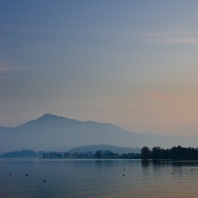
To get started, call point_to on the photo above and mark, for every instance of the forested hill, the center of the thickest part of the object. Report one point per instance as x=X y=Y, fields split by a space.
x=22 y=154
x=114 y=149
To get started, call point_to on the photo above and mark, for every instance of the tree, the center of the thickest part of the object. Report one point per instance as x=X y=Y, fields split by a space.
x=145 y=152
x=98 y=154
x=157 y=152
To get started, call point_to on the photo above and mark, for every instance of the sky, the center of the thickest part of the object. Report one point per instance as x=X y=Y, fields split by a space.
x=130 y=63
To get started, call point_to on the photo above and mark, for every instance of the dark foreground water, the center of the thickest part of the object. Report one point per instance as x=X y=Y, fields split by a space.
x=97 y=178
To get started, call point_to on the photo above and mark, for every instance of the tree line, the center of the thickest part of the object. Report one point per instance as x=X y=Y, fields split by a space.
x=98 y=154
x=175 y=153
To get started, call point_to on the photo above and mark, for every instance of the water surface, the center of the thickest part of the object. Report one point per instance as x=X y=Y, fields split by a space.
x=97 y=178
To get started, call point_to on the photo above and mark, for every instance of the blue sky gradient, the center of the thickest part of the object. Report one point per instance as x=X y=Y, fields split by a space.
x=130 y=63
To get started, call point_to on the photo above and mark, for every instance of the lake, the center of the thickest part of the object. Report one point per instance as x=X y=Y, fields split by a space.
x=97 y=178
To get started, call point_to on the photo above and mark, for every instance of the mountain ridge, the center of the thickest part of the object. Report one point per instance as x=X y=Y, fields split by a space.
x=60 y=119
x=51 y=131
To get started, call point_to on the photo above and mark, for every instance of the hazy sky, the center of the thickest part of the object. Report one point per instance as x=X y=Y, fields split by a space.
x=129 y=63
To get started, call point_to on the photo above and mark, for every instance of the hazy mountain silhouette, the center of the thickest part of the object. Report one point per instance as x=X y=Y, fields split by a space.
x=51 y=131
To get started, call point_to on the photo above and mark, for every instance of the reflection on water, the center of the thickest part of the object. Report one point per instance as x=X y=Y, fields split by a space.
x=98 y=178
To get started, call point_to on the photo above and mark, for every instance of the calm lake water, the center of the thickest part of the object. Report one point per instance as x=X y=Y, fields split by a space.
x=97 y=178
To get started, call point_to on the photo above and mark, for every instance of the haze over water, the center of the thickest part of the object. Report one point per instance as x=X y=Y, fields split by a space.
x=97 y=178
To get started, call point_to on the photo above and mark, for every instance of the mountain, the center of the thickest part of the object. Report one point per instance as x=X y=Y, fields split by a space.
x=114 y=149
x=51 y=131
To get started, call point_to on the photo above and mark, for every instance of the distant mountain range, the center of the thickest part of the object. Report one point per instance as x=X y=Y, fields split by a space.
x=51 y=131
